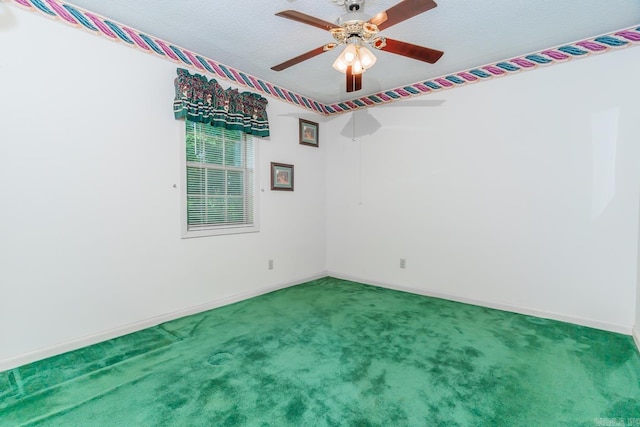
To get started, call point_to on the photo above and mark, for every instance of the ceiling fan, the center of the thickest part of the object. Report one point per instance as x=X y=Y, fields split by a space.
x=357 y=30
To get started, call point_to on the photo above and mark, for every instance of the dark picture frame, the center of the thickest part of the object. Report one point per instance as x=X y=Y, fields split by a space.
x=309 y=133
x=281 y=176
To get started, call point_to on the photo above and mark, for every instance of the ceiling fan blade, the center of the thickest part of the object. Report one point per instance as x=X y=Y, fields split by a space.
x=354 y=81
x=293 y=61
x=412 y=51
x=357 y=81
x=306 y=19
x=400 y=12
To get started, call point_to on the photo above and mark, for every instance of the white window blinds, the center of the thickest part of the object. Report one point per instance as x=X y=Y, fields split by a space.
x=220 y=180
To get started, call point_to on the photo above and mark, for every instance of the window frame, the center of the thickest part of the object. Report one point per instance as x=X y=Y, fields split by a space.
x=225 y=229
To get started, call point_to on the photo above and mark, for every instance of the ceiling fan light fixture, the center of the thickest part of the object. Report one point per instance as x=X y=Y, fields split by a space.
x=340 y=65
x=350 y=54
x=358 y=57
x=357 y=67
x=367 y=59
x=346 y=58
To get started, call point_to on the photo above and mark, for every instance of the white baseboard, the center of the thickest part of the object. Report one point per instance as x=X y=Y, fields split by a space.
x=611 y=327
x=23 y=359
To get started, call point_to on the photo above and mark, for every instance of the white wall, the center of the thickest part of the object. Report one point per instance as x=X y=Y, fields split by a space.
x=90 y=233
x=519 y=193
x=636 y=328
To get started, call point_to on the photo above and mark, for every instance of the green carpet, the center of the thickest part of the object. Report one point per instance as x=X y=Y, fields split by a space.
x=336 y=353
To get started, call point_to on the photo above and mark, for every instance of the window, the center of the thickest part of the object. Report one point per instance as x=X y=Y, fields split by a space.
x=219 y=178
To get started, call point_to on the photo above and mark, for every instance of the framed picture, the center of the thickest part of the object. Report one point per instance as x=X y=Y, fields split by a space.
x=308 y=133
x=281 y=177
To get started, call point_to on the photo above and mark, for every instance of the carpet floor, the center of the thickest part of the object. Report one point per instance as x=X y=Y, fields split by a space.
x=336 y=353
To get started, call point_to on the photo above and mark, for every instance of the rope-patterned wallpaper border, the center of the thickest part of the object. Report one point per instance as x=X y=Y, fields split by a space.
x=600 y=44
x=114 y=31
x=95 y=24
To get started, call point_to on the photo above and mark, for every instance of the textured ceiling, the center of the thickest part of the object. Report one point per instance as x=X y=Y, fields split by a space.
x=246 y=35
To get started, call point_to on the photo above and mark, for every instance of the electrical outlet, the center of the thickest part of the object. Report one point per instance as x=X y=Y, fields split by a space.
x=403 y=263
x=270 y=264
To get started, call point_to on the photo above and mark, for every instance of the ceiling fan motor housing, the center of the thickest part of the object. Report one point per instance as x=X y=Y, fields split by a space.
x=354 y=5
x=355 y=13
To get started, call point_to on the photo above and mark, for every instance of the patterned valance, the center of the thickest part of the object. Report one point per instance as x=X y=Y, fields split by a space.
x=201 y=100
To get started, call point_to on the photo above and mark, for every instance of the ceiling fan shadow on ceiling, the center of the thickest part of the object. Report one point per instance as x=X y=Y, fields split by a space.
x=363 y=123
x=356 y=31
x=360 y=124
